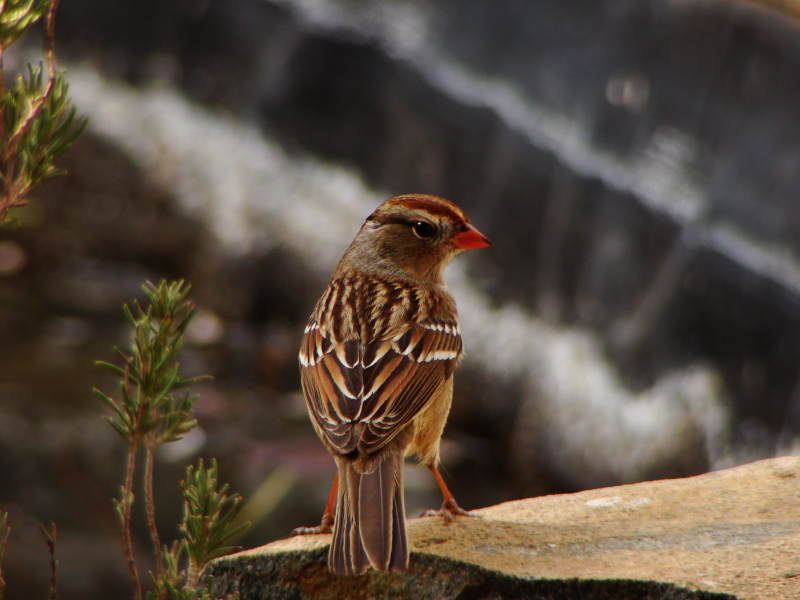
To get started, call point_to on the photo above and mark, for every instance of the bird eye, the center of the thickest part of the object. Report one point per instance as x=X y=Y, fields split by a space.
x=423 y=229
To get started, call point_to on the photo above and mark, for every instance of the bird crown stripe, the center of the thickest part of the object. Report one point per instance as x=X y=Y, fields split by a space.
x=432 y=207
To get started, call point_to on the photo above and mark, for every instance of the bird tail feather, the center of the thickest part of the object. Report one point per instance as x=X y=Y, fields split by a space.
x=370 y=524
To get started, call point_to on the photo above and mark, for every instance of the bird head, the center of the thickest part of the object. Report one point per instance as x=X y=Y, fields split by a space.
x=413 y=237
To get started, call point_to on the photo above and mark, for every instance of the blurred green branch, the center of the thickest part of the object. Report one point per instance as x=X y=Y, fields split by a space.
x=208 y=517
x=147 y=412
x=37 y=122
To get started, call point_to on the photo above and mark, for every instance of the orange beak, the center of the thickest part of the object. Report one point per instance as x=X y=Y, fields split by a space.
x=470 y=239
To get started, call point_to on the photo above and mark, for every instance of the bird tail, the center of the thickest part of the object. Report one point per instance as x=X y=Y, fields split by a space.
x=370 y=525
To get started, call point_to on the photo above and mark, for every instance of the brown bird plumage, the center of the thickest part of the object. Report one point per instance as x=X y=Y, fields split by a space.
x=377 y=361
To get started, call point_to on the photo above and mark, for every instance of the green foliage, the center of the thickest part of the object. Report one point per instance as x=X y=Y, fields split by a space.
x=207 y=527
x=152 y=372
x=18 y=16
x=121 y=505
x=174 y=585
x=3 y=540
x=147 y=412
x=37 y=121
x=39 y=124
x=168 y=586
x=208 y=515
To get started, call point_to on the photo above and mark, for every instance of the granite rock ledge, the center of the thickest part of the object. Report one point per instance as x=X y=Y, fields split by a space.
x=728 y=534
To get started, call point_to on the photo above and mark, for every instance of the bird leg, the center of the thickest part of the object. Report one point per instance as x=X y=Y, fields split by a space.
x=450 y=509
x=326 y=526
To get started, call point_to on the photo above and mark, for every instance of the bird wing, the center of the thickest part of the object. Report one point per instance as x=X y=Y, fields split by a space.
x=383 y=384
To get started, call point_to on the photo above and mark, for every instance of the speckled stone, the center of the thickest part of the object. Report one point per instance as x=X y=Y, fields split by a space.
x=732 y=533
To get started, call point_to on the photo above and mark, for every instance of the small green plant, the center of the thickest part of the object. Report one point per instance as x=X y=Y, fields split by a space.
x=148 y=413
x=208 y=517
x=37 y=122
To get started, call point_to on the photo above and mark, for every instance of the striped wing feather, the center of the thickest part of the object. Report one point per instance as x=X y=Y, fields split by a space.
x=383 y=384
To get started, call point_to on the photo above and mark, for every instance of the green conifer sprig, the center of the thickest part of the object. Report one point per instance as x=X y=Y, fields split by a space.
x=18 y=16
x=151 y=372
x=147 y=411
x=40 y=125
x=171 y=585
x=37 y=121
x=208 y=516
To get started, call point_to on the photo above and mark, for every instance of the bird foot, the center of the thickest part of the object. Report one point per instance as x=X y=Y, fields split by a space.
x=449 y=511
x=325 y=527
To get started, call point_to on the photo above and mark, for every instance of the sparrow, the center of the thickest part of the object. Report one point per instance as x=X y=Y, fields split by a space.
x=376 y=364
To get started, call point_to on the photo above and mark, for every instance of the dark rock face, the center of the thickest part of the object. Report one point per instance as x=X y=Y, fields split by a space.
x=305 y=576
x=666 y=221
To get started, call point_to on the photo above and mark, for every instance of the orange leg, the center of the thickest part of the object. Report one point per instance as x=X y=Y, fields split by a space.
x=449 y=508
x=327 y=517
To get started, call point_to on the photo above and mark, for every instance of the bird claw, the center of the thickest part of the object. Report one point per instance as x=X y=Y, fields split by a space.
x=325 y=527
x=449 y=511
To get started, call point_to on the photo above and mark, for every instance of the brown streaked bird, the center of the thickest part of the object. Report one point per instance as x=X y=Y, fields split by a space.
x=377 y=361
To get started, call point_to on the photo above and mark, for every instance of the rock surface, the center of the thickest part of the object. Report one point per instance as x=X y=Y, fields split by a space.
x=732 y=533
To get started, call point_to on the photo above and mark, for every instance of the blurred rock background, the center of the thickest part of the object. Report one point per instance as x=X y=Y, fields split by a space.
x=634 y=162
